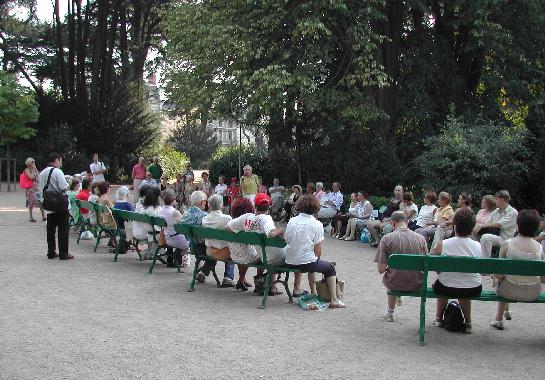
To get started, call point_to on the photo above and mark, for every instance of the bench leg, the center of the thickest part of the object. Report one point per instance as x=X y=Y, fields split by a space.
x=218 y=283
x=99 y=236
x=154 y=258
x=422 y=327
x=194 y=278
x=285 y=283
x=266 y=288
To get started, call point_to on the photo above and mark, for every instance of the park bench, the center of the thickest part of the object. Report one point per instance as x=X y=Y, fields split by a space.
x=427 y=263
x=197 y=232
x=85 y=224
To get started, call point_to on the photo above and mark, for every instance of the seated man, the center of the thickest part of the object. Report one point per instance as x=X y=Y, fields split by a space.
x=374 y=226
x=148 y=181
x=332 y=202
x=503 y=217
x=401 y=240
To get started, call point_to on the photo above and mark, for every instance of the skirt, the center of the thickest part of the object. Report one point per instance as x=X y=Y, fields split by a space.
x=456 y=292
x=524 y=293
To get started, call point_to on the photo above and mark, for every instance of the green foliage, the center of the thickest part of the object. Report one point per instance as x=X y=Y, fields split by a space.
x=17 y=109
x=474 y=155
x=196 y=142
x=172 y=161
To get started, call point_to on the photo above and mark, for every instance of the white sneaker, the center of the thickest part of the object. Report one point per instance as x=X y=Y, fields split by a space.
x=468 y=328
x=438 y=322
x=389 y=315
x=497 y=324
x=507 y=315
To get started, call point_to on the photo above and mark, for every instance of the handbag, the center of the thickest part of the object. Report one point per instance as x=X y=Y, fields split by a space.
x=24 y=181
x=54 y=201
x=323 y=290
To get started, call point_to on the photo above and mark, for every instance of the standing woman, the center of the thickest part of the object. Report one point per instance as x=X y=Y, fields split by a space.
x=33 y=195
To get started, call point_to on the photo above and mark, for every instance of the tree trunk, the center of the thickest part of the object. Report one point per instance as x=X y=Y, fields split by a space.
x=60 y=50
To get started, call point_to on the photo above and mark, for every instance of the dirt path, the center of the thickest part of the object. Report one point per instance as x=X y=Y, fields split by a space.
x=91 y=318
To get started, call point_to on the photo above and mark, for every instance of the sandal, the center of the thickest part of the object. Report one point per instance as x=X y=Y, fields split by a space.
x=338 y=305
x=297 y=295
x=248 y=285
x=32 y=220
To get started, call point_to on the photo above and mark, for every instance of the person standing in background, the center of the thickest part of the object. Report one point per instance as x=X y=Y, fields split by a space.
x=156 y=170
x=33 y=195
x=249 y=184
x=97 y=169
x=138 y=175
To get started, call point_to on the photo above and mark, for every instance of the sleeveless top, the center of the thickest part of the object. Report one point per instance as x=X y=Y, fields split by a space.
x=516 y=254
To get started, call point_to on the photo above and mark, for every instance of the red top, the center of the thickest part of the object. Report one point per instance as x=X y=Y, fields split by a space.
x=83 y=195
x=138 y=171
x=233 y=192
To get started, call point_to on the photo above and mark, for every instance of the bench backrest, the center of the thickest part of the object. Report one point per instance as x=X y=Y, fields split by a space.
x=466 y=264
x=85 y=204
x=131 y=216
x=254 y=238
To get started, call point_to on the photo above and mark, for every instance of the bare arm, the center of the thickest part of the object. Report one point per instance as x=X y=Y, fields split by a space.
x=503 y=255
x=276 y=232
x=438 y=248
x=318 y=250
x=381 y=268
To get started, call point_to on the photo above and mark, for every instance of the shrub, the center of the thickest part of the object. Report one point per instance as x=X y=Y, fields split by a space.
x=172 y=161
x=476 y=156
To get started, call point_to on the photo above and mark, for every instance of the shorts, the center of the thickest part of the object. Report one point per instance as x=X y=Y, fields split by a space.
x=456 y=292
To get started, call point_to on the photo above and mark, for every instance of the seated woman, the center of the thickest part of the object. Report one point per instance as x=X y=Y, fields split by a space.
x=521 y=247
x=304 y=235
x=189 y=188
x=425 y=215
x=340 y=221
x=150 y=205
x=453 y=284
x=363 y=215
x=172 y=238
x=488 y=204
x=409 y=208
x=106 y=218
x=443 y=214
x=288 y=207
x=444 y=229
x=218 y=248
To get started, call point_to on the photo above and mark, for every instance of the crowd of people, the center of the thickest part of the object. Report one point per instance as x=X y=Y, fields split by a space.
x=248 y=205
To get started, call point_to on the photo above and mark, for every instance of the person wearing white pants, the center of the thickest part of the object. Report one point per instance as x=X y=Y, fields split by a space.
x=505 y=218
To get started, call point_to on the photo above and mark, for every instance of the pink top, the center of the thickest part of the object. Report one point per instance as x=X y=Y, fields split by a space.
x=482 y=216
x=319 y=194
x=138 y=171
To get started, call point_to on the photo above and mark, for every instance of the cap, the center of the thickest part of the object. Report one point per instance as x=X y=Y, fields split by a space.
x=262 y=199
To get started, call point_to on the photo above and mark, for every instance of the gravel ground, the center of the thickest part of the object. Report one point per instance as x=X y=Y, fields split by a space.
x=91 y=318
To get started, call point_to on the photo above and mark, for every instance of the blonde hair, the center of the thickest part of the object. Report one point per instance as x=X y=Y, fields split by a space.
x=29 y=161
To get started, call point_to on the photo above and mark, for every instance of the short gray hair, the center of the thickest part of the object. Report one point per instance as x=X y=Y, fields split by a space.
x=169 y=196
x=215 y=202
x=246 y=167
x=197 y=197
x=398 y=217
x=122 y=193
x=320 y=184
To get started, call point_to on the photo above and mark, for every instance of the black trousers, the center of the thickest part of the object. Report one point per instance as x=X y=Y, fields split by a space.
x=58 y=221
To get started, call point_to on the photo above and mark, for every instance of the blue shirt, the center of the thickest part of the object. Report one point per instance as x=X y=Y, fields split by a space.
x=123 y=206
x=193 y=216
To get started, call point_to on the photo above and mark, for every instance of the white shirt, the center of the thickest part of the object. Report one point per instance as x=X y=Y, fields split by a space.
x=97 y=167
x=140 y=230
x=302 y=234
x=218 y=220
x=261 y=223
x=464 y=247
x=57 y=183
x=507 y=220
x=221 y=189
x=336 y=198
x=411 y=207
x=425 y=216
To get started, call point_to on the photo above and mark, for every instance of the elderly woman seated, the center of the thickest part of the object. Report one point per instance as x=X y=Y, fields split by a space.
x=442 y=215
x=304 y=235
x=288 y=207
x=194 y=216
x=217 y=248
x=364 y=209
x=172 y=238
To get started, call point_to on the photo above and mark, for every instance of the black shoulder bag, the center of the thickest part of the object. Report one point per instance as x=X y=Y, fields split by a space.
x=54 y=201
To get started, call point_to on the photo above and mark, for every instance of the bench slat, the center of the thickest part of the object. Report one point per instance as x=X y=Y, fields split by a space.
x=467 y=264
x=486 y=295
x=240 y=237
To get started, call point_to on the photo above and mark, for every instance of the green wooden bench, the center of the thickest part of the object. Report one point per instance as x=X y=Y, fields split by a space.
x=157 y=255
x=427 y=263
x=102 y=230
x=128 y=216
x=85 y=223
x=197 y=232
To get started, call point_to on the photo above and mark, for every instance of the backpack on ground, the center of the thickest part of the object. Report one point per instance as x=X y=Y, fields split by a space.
x=453 y=317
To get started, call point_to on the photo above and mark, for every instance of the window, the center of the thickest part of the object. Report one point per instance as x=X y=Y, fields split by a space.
x=230 y=136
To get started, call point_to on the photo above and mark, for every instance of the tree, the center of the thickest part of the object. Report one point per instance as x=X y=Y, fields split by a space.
x=17 y=109
x=196 y=141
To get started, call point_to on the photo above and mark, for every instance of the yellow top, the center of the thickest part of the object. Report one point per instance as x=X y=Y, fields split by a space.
x=249 y=185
